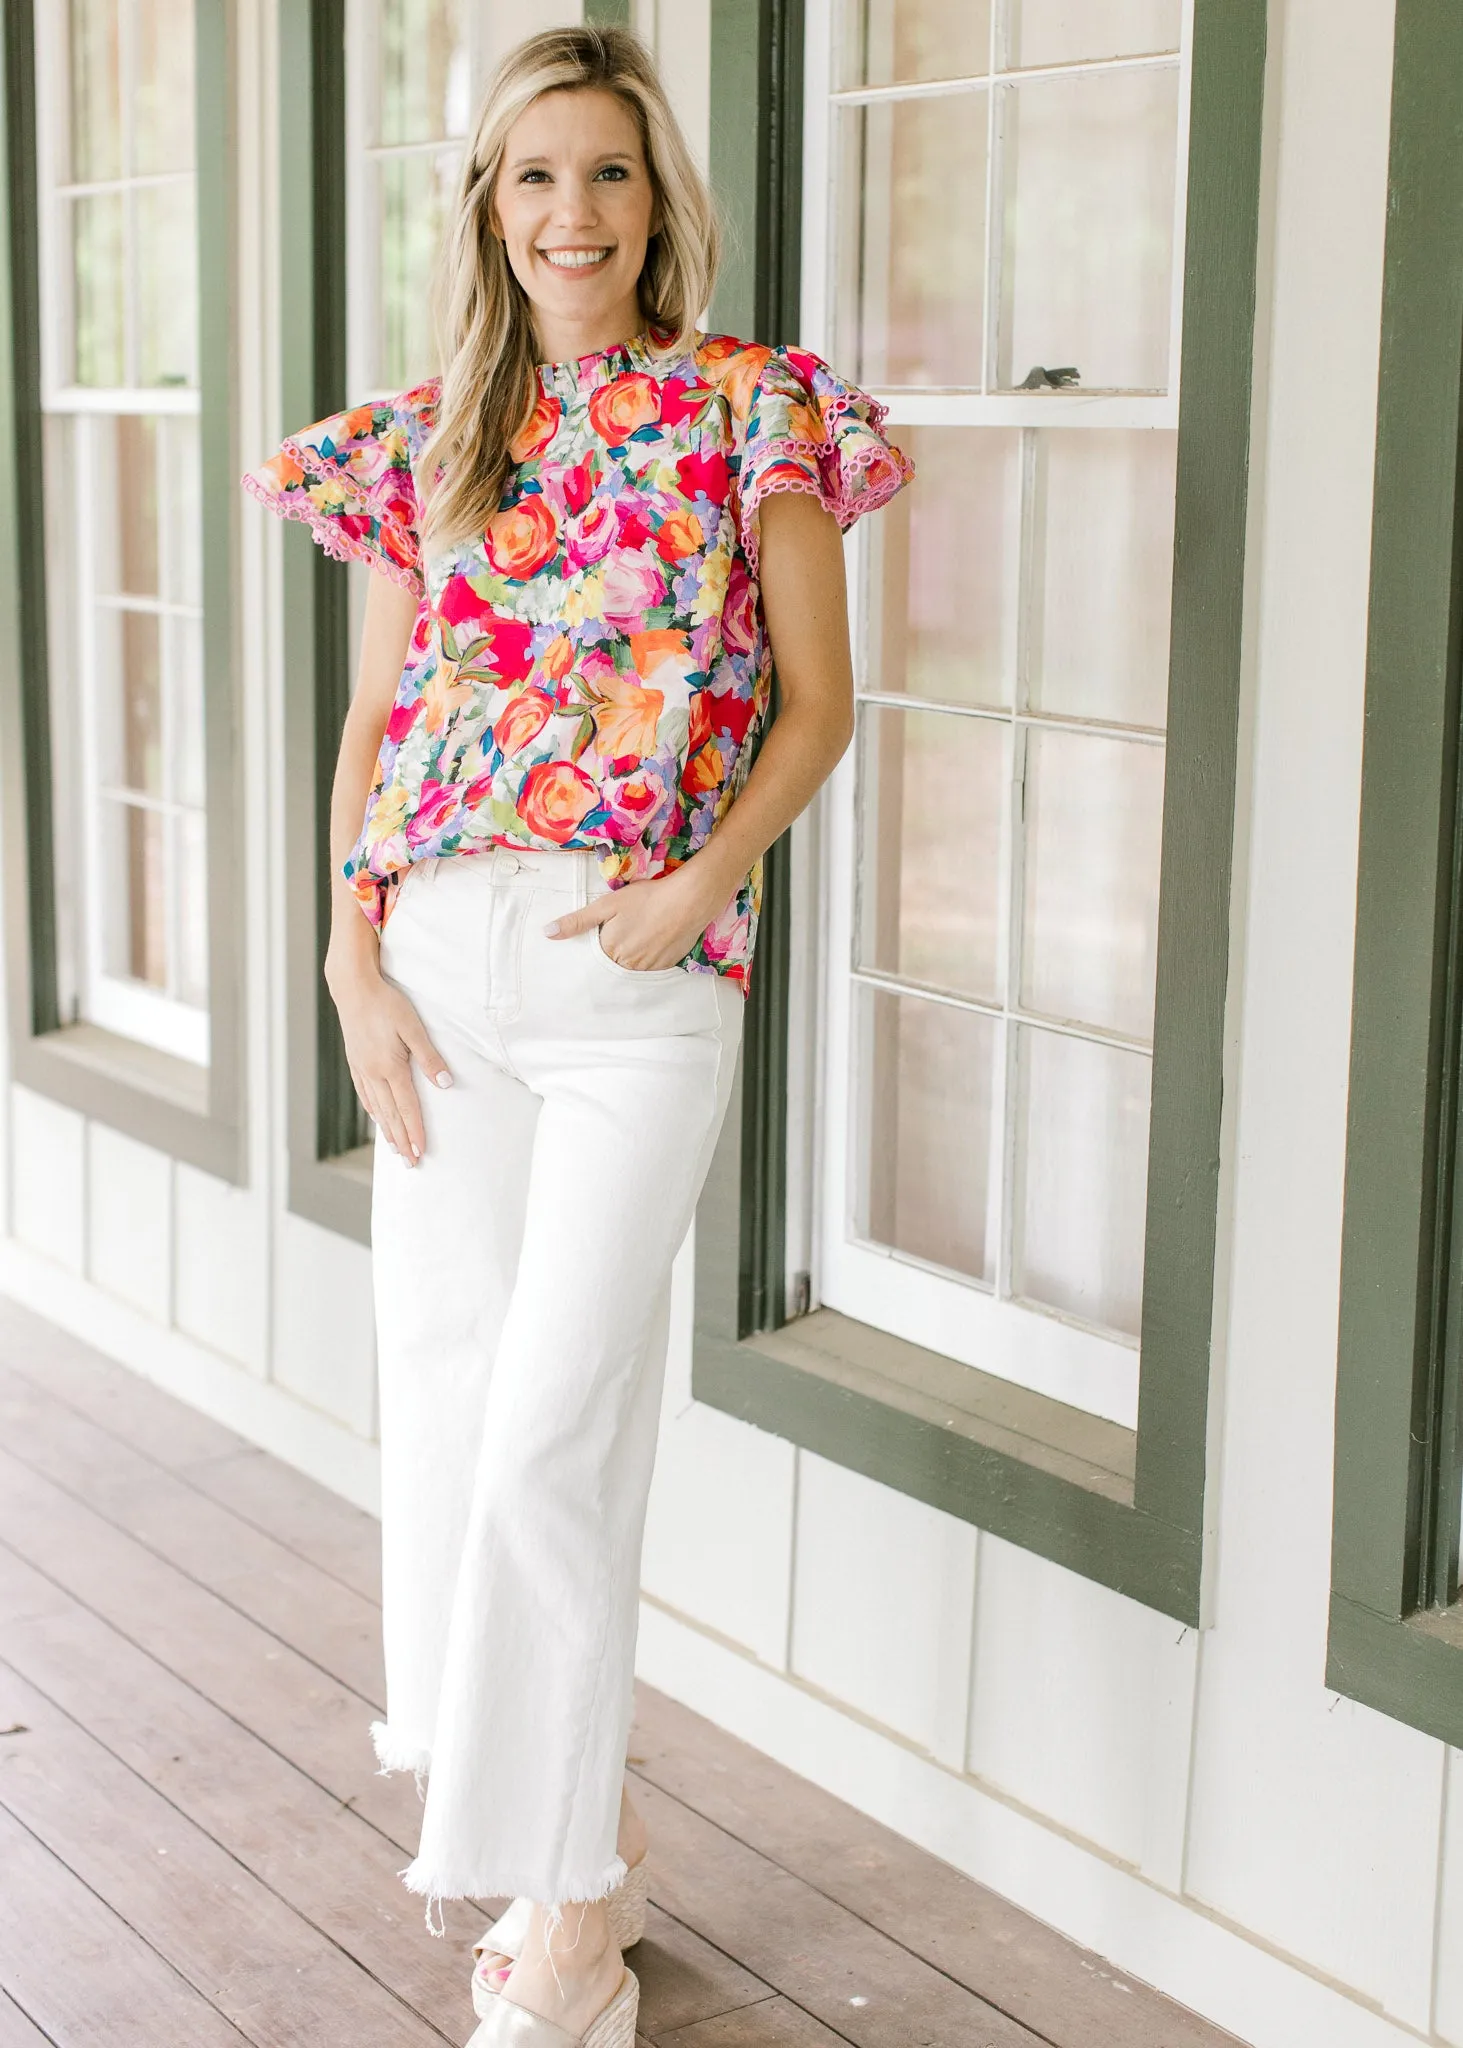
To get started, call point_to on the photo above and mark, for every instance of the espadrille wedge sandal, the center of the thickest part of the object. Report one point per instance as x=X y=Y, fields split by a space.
x=506 y=2025
x=625 y=1906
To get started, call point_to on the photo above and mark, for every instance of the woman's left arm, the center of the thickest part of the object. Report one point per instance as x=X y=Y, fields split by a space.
x=805 y=601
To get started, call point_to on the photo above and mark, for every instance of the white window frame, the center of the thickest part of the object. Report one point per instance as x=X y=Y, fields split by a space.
x=132 y=1009
x=1041 y=1348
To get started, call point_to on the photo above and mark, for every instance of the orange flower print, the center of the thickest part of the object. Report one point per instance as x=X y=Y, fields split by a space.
x=738 y=376
x=804 y=424
x=558 y=657
x=662 y=643
x=284 y=469
x=554 y=796
x=617 y=409
x=679 y=536
x=357 y=423
x=626 y=716
x=702 y=775
x=537 y=430
x=521 y=540
x=526 y=716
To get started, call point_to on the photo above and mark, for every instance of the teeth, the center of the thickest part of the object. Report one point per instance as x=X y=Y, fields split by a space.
x=573 y=259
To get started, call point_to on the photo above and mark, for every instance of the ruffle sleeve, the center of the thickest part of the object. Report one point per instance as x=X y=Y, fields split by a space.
x=350 y=478
x=809 y=431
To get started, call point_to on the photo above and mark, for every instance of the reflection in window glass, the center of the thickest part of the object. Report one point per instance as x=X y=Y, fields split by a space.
x=933 y=790
x=943 y=591
x=1102 y=520
x=1094 y=815
x=1066 y=31
x=416 y=197
x=931 y=1078
x=424 y=89
x=1087 y=263
x=124 y=502
x=897 y=42
x=1083 y=1156
x=922 y=315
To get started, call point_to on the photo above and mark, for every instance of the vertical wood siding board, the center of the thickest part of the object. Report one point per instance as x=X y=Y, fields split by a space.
x=31 y=911
x=217 y=359
x=1198 y=829
x=1406 y=827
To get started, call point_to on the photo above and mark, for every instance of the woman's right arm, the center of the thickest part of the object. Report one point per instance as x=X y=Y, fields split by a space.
x=382 y=1031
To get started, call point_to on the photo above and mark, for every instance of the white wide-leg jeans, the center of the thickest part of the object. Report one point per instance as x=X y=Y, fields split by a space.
x=522 y=1288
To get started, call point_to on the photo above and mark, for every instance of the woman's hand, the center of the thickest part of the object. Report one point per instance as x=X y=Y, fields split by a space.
x=383 y=1037
x=649 y=924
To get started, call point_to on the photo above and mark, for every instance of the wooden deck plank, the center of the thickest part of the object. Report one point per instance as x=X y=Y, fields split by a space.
x=812 y=1950
x=309 y=1717
x=684 y=1978
x=16 y=2031
x=170 y=1432
x=137 y=1696
x=332 y=1868
x=1060 y=1991
x=342 y=1540
x=774 y=2024
x=277 y=1979
x=78 y=1970
x=317 y=1615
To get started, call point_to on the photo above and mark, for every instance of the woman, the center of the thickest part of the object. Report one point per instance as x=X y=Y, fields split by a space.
x=596 y=529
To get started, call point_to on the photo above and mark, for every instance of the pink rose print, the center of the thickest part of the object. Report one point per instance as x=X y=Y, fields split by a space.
x=589 y=536
x=632 y=587
x=554 y=797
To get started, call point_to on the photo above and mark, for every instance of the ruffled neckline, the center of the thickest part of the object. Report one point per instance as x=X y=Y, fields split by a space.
x=603 y=365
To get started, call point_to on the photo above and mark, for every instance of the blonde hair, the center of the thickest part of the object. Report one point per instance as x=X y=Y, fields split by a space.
x=484 y=322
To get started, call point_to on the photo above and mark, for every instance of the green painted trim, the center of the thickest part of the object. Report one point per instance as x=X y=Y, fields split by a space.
x=1408 y=1669
x=1395 y=1528
x=323 y=1117
x=1150 y=1546
x=149 y=1096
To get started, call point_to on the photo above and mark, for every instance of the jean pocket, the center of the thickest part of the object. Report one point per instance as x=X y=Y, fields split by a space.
x=644 y=975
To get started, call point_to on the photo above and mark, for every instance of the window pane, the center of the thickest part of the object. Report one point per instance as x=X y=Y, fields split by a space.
x=946 y=559
x=142 y=714
x=891 y=42
x=192 y=854
x=1088 y=235
x=166 y=285
x=162 y=120
x=930 y=1073
x=922 y=263
x=96 y=242
x=1064 y=31
x=183 y=640
x=136 y=528
x=1083 y=1151
x=181 y=487
x=1094 y=817
x=96 y=91
x=136 y=913
x=416 y=192
x=1102 y=575
x=932 y=812
x=425 y=88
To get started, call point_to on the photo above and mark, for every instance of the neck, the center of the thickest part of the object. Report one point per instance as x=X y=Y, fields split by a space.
x=565 y=340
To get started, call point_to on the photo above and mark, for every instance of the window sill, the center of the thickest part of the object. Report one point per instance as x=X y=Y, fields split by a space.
x=1410 y=1669
x=1031 y=1470
x=152 y=1096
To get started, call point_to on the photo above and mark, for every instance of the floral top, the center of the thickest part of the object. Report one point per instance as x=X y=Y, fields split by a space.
x=594 y=671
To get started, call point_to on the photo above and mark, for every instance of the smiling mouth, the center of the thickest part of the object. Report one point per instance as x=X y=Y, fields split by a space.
x=575 y=259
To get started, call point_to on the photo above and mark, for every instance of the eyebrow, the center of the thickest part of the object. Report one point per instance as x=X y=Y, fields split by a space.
x=611 y=156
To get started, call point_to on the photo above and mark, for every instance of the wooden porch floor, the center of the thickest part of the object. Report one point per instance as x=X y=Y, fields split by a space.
x=195 y=1848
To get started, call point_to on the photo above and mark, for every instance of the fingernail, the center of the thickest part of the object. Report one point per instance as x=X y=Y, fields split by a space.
x=444 y=1079
x=551 y=931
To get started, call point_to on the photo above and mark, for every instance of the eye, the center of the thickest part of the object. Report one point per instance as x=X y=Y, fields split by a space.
x=619 y=172
x=531 y=177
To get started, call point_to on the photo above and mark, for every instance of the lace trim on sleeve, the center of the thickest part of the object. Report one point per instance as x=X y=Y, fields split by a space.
x=847 y=503
x=324 y=531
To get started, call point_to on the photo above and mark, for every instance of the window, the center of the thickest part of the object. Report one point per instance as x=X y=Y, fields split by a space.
x=1396 y=1635
x=118 y=469
x=120 y=394
x=1004 y=268
x=996 y=977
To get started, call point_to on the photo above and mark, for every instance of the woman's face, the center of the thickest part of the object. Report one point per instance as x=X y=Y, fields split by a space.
x=575 y=207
